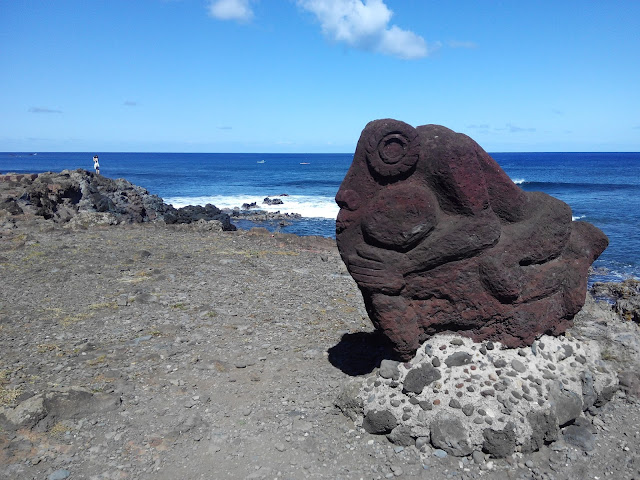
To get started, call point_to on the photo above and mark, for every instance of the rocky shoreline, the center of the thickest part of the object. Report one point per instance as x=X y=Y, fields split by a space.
x=84 y=198
x=141 y=349
x=79 y=196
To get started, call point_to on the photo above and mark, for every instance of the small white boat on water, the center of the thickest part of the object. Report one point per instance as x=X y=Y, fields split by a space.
x=305 y=163
x=260 y=161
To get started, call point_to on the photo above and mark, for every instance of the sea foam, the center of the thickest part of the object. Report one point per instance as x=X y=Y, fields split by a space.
x=307 y=206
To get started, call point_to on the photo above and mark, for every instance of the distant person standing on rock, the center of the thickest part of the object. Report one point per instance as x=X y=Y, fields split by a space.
x=96 y=165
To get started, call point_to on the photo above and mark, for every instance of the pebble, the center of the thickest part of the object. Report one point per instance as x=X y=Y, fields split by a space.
x=389 y=369
x=439 y=453
x=397 y=471
x=421 y=442
x=518 y=366
x=500 y=363
x=478 y=457
x=60 y=474
x=458 y=359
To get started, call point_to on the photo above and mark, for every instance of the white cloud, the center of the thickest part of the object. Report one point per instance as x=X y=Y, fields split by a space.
x=231 y=10
x=365 y=25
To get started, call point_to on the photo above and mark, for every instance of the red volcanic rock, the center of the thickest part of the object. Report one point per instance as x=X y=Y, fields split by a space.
x=439 y=238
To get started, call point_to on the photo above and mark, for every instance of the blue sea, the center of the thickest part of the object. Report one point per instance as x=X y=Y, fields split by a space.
x=601 y=188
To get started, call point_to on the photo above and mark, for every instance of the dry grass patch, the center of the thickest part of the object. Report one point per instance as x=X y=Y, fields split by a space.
x=137 y=277
x=72 y=319
x=8 y=395
x=103 y=306
x=59 y=430
x=97 y=360
x=47 y=347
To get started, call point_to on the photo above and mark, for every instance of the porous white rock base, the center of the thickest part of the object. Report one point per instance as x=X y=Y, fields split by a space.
x=464 y=397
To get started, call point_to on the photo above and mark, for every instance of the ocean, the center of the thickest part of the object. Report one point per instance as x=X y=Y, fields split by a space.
x=601 y=188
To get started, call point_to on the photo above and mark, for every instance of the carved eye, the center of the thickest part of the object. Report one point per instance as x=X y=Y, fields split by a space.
x=393 y=148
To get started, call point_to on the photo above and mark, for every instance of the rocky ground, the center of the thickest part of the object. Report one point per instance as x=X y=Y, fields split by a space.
x=152 y=351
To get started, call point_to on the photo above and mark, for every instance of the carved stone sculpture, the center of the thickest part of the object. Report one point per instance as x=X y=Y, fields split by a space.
x=438 y=238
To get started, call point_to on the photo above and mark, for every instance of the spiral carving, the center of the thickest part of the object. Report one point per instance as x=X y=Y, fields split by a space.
x=394 y=149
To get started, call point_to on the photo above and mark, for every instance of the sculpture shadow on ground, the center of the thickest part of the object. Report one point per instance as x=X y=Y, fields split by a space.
x=361 y=352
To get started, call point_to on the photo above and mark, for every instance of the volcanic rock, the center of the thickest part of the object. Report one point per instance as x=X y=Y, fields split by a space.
x=448 y=433
x=382 y=421
x=46 y=409
x=500 y=443
x=82 y=198
x=439 y=238
x=624 y=295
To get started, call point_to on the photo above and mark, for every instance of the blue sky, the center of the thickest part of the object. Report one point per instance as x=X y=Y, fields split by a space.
x=307 y=75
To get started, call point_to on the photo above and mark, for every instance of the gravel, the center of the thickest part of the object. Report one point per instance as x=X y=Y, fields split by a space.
x=221 y=355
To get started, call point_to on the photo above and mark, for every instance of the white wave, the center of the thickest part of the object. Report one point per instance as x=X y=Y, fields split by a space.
x=307 y=206
x=577 y=217
x=519 y=181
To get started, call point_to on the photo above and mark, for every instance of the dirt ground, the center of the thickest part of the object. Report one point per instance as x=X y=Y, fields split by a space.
x=159 y=352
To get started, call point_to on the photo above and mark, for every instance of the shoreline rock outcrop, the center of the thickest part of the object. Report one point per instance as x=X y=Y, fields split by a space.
x=79 y=196
x=624 y=296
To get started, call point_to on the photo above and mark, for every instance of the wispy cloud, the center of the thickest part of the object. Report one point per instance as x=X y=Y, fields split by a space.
x=43 y=110
x=515 y=129
x=224 y=127
x=365 y=26
x=239 y=10
x=482 y=126
x=458 y=44
x=130 y=103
